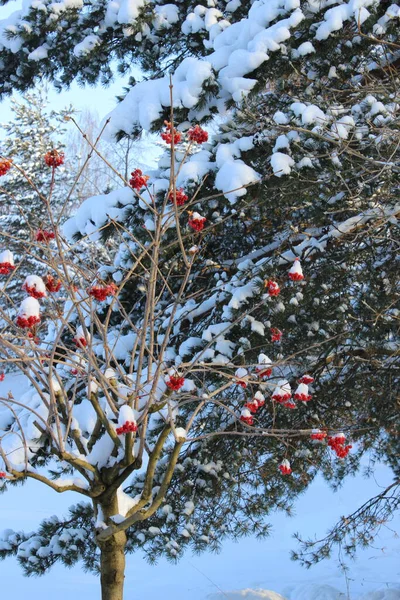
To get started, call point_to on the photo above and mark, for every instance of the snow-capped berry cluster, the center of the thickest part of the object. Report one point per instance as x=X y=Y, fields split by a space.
x=283 y=392
x=241 y=376
x=169 y=131
x=138 y=180
x=196 y=221
x=285 y=467
x=5 y=166
x=34 y=286
x=54 y=159
x=29 y=313
x=296 y=272
x=101 y=292
x=81 y=339
x=197 y=134
x=264 y=368
x=175 y=381
x=126 y=421
x=52 y=284
x=44 y=236
x=6 y=262
x=273 y=288
x=180 y=196
x=257 y=402
x=301 y=394
x=317 y=435
x=337 y=443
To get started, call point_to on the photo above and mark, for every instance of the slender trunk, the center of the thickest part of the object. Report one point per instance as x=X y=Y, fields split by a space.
x=112 y=559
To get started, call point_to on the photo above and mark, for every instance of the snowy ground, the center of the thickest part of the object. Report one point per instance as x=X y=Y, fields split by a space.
x=251 y=568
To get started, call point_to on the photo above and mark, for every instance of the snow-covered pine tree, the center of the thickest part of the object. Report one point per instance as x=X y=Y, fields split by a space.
x=302 y=164
x=33 y=131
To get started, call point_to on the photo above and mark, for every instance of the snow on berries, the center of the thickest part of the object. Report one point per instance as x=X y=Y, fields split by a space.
x=35 y=287
x=196 y=221
x=138 y=180
x=276 y=334
x=273 y=288
x=285 y=467
x=5 y=166
x=337 y=443
x=29 y=313
x=44 y=236
x=257 y=402
x=101 y=292
x=6 y=262
x=301 y=394
x=169 y=131
x=197 y=134
x=263 y=369
x=296 y=272
x=282 y=392
x=126 y=421
x=175 y=381
x=317 y=435
x=54 y=159
x=180 y=196
x=81 y=339
x=241 y=375
x=246 y=416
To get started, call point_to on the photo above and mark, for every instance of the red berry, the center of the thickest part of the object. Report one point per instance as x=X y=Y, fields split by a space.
x=272 y=287
x=44 y=236
x=175 y=382
x=138 y=180
x=180 y=197
x=167 y=134
x=197 y=134
x=54 y=158
x=276 y=334
x=5 y=166
x=52 y=284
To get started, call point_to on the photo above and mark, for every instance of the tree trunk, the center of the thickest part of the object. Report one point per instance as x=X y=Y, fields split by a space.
x=112 y=559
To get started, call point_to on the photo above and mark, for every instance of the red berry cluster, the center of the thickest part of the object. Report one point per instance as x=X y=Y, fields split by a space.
x=6 y=268
x=276 y=334
x=80 y=342
x=167 y=134
x=44 y=236
x=54 y=158
x=262 y=373
x=249 y=420
x=2 y=376
x=33 y=337
x=338 y=445
x=273 y=288
x=175 y=382
x=138 y=180
x=101 y=292
x=255 y=404
x=179 y=195
x=197 y=134
x=127 y=427
x=307 y=379
x=52 y=284
x=2 y=475
x=285 y=469
x=197 y=223
x=5 y=166
x=27 y=322
x=32 y=291
x=318 y=435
